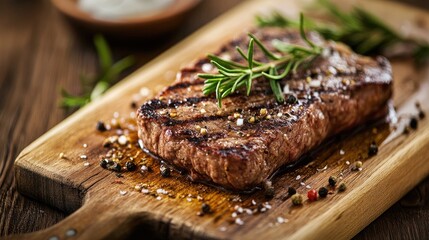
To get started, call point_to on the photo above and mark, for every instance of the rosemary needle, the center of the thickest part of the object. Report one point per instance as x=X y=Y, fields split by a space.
x=362 y=31
x=234 y=75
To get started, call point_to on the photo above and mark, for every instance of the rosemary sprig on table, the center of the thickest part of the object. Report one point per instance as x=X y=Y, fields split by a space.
x=95 y=87
x=233 y=75
x=362 y=31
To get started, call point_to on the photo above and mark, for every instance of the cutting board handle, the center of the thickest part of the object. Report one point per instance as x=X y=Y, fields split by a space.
x=96 y=220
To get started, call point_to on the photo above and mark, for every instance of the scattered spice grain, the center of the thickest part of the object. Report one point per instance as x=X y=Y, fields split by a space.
x=269 y=190
x=205 y=208
x=312 y=195
x=130 y=166
x=342 y=187
x=291 y=191
x=101 y=127
x=332 y=181
x=413 y=123
x=373 y=149
x=297 y=199
x=357 y=166
x=291 y=99
x=164 y=170
x=323 y=192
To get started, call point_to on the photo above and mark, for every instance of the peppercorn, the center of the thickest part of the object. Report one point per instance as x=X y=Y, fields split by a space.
x=164 y=170
x=357 y=165
x=323 y=192
x=342 y=187
x=332 y=181
x=312 y=195
x=116 y=167
x=291 y=99
x=373 y=149
x=291 y=191
x=205 y=208
x=422 y=114
x=130 y=166
x=104 y=163
x=100 y=126
x=417 y=105
x=260 y=207
x=413 y=123
x=296 y=199
x=133 y=104
x=406 y=130
x=269 y=189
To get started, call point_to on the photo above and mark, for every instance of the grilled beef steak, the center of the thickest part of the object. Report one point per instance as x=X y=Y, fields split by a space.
x=337 y=91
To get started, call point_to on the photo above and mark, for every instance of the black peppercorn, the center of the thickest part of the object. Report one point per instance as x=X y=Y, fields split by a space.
x=130 y=166
x=260 y=207
x=269 y=189
x=115 y=167
x=291 y=99
x=133 y=104
x=291 y=191
x=332 y=181
x=100 y=126
x=104 y=163
x=205 y=208
x=413 y=123
x=406 y=130
x=422 y=114
x=269 y=193
x=342 y=187
x=165 y=171
x=373 y=149
x=323 y=192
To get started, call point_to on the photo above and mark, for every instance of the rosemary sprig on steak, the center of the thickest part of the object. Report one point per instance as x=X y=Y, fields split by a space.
x=233 y=75
x=362 y=31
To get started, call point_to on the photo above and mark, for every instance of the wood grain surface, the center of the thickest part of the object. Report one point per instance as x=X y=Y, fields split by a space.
x=35 y=67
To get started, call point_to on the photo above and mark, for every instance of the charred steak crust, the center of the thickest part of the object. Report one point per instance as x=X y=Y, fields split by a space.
x=338 y=91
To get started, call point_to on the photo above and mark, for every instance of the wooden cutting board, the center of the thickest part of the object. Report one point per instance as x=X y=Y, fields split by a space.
x=107 y=206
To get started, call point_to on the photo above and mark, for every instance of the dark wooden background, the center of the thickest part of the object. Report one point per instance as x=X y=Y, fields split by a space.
x=40 y=54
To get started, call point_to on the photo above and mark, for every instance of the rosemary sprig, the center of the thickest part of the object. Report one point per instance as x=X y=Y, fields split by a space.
x=362 y=31
x=233 y=75
x=94 y=87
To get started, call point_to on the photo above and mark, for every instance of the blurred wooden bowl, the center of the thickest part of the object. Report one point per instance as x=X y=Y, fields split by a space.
x=146 y=26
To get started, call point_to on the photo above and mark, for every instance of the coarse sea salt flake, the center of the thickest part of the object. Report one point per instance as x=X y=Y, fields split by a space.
x=122 y=140
x=286 y=89
x=238 y=221
x=207 y=67
x=315 y=83
x=145 y=190
x=144 y=91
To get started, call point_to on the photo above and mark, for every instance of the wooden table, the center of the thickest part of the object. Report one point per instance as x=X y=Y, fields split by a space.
x=40 y=54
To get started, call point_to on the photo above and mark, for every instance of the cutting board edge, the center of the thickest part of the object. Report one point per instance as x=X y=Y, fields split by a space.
x=397 y=164
x=63 y=193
